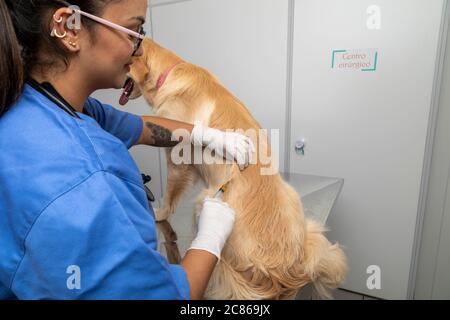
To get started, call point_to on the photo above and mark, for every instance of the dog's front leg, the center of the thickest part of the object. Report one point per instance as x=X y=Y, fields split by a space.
x=179 y=177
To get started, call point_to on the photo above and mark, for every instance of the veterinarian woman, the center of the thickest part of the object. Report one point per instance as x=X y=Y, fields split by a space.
x=74 y=219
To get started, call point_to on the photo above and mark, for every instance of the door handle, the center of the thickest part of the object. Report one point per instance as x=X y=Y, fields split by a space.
x=300 y=146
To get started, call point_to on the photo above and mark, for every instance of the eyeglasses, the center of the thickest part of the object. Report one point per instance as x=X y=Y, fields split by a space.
x=138 y=36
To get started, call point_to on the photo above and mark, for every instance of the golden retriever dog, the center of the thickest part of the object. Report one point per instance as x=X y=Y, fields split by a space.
x=273 y=250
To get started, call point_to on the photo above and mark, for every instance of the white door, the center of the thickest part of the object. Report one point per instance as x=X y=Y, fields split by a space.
x=367 y=123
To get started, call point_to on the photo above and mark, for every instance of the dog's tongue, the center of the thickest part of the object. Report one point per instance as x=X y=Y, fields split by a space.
x=127 y=90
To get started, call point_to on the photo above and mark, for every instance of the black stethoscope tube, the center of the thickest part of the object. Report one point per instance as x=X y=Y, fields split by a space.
x=46 y=89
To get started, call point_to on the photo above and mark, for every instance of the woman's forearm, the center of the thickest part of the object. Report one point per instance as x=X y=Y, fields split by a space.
x=157 y=131
x=199 y=266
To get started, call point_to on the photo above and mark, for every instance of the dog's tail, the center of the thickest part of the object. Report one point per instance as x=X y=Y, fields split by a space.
x=325 y=264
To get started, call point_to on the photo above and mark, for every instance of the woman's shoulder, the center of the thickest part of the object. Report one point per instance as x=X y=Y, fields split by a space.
x=39 y=139
x=37 y=128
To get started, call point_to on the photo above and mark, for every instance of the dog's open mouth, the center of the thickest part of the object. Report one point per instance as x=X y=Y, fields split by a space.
x=127 y=90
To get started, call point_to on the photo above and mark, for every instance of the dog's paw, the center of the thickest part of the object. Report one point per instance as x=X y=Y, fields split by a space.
x=161 y=214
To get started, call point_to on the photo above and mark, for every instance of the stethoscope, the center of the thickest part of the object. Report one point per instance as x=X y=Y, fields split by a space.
x=50 y=92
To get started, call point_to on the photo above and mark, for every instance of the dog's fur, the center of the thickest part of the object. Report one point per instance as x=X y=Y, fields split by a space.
x=273 y=250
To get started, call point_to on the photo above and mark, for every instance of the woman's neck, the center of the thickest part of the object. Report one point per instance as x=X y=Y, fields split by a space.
x=71 y=87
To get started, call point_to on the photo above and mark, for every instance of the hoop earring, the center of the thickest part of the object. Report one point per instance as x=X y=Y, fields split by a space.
x=57 y=20
x=55 y=34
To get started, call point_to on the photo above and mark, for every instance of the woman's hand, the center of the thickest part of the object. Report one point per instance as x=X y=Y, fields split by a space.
x=215 y=224
x=230 y=145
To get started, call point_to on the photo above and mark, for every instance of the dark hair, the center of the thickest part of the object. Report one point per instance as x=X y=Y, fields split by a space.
x=25 y=34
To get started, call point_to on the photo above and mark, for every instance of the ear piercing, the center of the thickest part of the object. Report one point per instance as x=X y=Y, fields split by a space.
x=56 y=34
x=57 y=20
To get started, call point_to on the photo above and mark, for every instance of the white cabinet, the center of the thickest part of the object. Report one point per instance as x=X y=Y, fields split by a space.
x=368 y=127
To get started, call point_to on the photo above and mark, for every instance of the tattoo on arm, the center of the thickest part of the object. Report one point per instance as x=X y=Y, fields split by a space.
x=160 y=136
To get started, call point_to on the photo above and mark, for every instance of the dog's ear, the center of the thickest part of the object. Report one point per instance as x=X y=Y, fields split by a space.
x=139 y=73
x=140 y=68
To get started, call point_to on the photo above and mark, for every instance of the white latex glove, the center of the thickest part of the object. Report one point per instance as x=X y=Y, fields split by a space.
x=215 y=224
x=230 y=145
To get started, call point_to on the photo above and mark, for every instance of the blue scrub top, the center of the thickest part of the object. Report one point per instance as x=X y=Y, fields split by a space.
x=75 y=222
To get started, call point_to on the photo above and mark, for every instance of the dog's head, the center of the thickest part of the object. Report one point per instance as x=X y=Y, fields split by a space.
x=146 y=70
